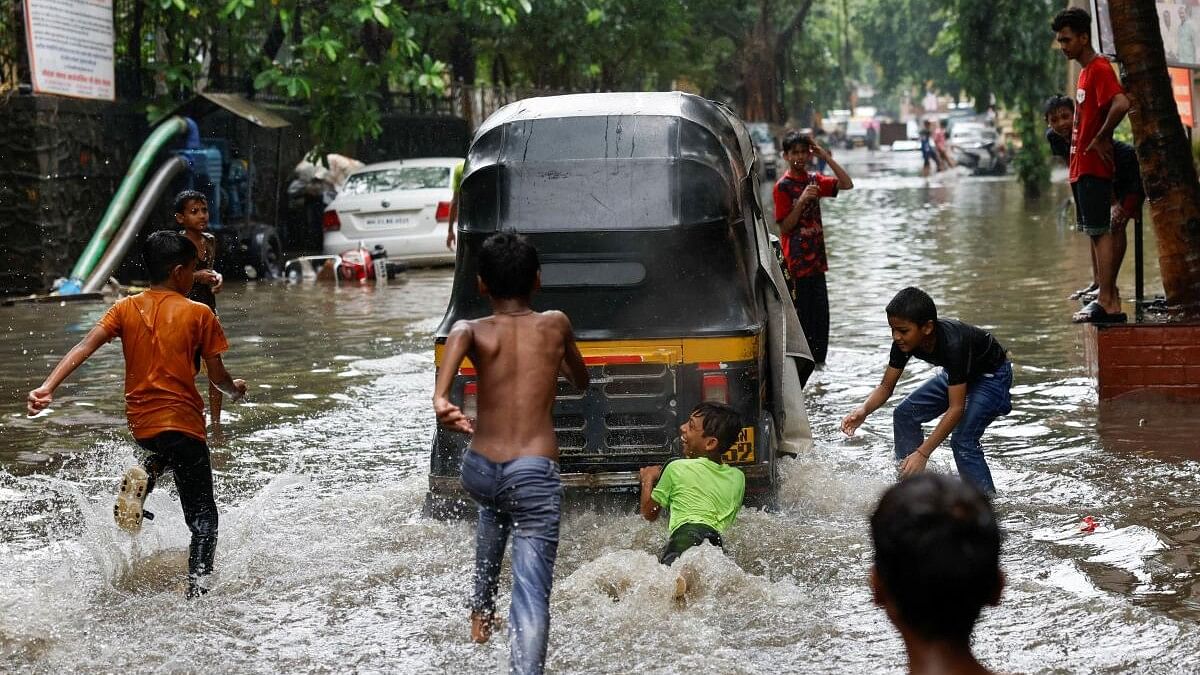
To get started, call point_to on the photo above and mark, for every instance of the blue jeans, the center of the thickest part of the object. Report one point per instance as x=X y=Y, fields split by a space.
x=987 y=398
x=524 y=496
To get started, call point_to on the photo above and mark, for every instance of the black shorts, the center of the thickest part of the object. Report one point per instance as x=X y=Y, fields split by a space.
x=1093 y=204
x=686 y=536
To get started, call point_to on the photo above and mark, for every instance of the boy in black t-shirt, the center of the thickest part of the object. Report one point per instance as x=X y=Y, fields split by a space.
x=972 y=388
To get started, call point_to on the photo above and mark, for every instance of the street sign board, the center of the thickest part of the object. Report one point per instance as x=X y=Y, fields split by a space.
x=71 y=47
x=1178 y=21
x=1181 y=87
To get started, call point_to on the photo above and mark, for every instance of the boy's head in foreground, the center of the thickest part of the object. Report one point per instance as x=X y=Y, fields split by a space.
x=710 y=430
x=912 y=317
x=508 y=267
x=937 y=557
x=191 y=210
x=1060 y=114
x=170 y=260
x=796 y=149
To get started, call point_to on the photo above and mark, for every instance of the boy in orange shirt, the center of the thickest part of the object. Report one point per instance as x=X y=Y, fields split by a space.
x=163 y=336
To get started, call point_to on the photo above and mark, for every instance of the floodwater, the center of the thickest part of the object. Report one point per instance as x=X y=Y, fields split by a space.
x=326 y=564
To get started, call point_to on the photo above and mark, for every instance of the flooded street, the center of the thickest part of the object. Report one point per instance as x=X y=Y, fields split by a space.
x=325 y=563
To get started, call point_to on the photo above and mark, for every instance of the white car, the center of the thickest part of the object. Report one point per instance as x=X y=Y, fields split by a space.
x=403 y=206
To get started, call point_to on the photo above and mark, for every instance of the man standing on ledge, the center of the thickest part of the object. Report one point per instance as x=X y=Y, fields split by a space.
x=1100 y=104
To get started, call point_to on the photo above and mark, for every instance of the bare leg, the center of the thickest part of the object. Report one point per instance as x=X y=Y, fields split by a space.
x=1106 y=269
x=1120 y=243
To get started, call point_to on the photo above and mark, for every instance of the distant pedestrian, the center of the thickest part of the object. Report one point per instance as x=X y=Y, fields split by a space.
x=456 y=176
x=930 y=160
x=191 y=213
x=936 y=566
x=161 y=333
x=939 y=144
x=511 y=467
x=797 y=197
x=970 y=392
x=1100 y=106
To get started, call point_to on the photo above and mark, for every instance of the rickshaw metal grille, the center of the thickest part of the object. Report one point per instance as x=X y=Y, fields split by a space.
x=627 y=410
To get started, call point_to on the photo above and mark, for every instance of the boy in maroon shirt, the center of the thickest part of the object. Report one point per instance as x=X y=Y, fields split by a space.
x=798 y=214
x=1100 y=104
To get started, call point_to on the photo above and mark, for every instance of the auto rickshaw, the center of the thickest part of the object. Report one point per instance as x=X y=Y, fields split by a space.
x=651 y=236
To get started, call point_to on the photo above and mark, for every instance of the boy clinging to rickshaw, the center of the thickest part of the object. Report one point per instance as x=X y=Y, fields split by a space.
x=703 y=494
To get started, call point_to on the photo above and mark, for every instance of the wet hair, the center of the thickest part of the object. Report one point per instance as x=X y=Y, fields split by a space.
x=721 y=422
x=182 y=199
x=914 y=305
x=937 y=554
x=508 y=264
x=164 y=250
x=796 y=139
x=1075 y=18
x=1055 y=102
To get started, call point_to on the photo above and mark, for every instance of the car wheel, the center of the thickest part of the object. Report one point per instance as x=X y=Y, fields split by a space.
x=264 y=254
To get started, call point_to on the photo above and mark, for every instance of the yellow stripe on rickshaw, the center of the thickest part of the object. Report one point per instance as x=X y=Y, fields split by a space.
x=669 y=350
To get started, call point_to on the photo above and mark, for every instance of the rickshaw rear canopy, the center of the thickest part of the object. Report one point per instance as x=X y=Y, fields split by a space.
x=542 y=163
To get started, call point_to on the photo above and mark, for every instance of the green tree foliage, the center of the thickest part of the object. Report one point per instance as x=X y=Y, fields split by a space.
x=902 y=36
x=999 y=49
x=342 y=58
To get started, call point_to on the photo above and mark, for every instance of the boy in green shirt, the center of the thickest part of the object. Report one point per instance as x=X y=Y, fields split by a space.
x=703 y=494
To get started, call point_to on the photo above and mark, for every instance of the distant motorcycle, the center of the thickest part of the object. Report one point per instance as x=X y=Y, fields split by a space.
x=976 y=147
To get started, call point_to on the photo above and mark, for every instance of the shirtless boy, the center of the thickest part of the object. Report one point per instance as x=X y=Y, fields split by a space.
x=511 y=468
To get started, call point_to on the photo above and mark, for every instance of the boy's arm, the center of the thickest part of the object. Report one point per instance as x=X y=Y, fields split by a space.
x=915 y=463
x=221 y=379
x=573 y=366
x=876 y=398
x=844 y=181
x=811 y=193
x=39 y=399
x=650 y=508
x=458 y=343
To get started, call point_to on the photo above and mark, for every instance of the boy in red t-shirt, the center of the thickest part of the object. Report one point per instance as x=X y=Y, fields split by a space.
x=1100 y=106
x=798 y=214
x=162 y=333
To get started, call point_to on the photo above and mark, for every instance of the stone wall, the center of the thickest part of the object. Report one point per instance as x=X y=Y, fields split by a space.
x=61 y=160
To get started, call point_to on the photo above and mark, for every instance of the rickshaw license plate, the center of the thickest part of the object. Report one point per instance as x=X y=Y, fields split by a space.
x=743 y=450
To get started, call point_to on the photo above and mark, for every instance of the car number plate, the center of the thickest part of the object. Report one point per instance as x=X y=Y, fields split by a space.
x=742 y=451
x=387 y=221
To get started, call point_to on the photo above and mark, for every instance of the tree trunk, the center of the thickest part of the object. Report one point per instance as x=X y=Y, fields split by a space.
x=759 y=74
x=1163 y=150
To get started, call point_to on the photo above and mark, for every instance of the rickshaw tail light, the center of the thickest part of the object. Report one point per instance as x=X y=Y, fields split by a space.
x=470 y=406
x=330 y=222
x=715 y=387
x=443 y=212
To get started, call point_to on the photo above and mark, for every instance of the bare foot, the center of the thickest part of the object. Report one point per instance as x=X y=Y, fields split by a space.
x=482 y=626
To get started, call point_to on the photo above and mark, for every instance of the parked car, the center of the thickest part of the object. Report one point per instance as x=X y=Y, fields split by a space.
x=856 y=133
x=764 y=145
x=403 y=206
x=976 y=146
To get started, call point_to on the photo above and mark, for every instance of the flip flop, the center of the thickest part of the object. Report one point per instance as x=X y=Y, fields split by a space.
x=1090 y=290
x=1095 y=313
